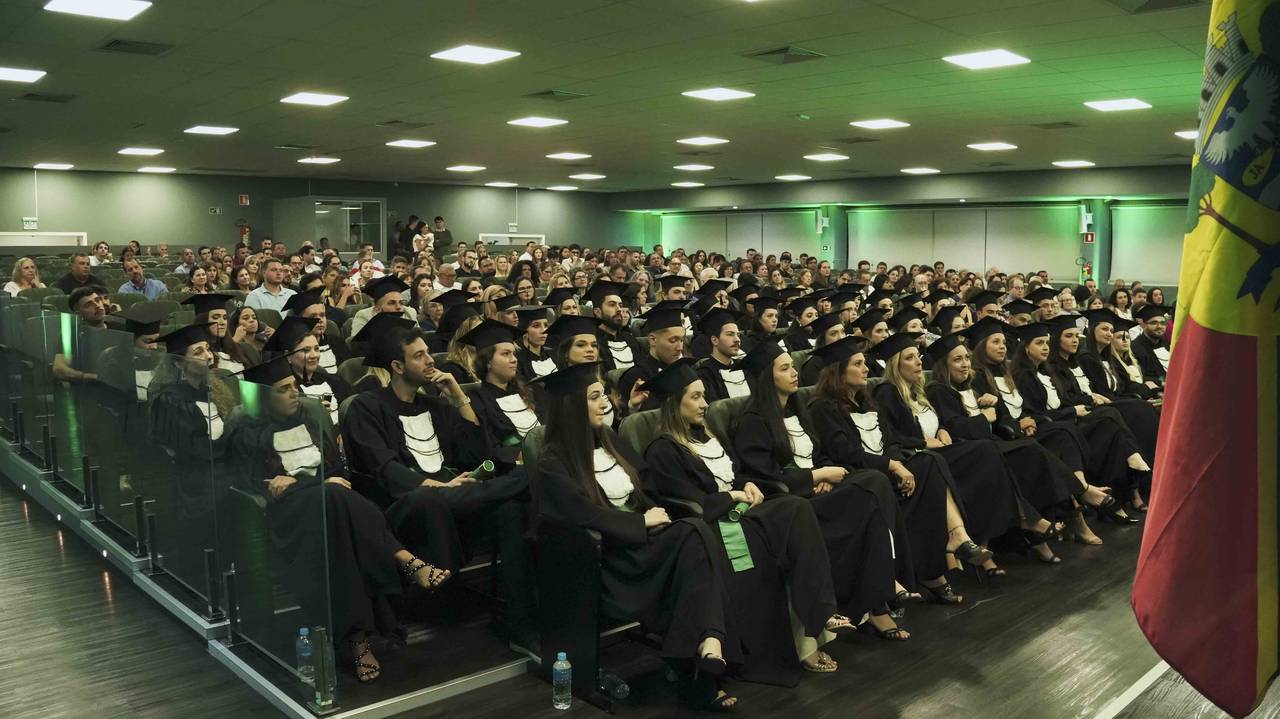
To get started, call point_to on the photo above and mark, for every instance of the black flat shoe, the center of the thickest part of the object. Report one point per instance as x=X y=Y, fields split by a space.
x=943 y=594
x=1116 y=518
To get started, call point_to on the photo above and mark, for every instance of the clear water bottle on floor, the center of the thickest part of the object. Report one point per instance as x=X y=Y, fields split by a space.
x=561 y=682
x=306 y=656
x=612 y=685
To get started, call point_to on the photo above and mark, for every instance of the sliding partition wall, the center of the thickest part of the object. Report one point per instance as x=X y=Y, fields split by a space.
x=733 y=233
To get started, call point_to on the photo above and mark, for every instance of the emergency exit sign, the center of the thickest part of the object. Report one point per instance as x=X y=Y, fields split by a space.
x=1088 y=238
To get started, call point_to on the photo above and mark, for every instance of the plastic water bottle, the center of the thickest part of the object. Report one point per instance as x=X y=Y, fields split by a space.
x=561 y=682
x=612 y=685
x=306 y=657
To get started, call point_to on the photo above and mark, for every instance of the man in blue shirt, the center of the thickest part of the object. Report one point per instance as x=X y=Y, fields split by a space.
x=139 y=283
x=272 y=294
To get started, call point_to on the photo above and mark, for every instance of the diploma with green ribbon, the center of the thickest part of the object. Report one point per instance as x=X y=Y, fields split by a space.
x=735 y=541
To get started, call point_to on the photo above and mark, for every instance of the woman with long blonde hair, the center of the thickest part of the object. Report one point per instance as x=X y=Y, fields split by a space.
x=460 y=360
x=26 y=276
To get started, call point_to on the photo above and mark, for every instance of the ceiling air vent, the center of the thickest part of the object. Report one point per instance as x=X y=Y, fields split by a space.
x=855 y=140
x=698 y=153
x=1056 y=125
x=228 y=170
x=46 y=97
x=995 y=164
x=785 y=55
x=557 y=95
x=135 y=47
x=402 y=125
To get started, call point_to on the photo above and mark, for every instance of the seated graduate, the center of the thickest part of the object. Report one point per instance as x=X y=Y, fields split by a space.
x=295 y=337
x=880 y=300
x=1127 y=368
x=128 y=370
x=720 y=376
x=949 y=319
x=671 y=576
x=1045 y=302
x=798 y=336
x=618 y=348
x=985 y=304
x=826 y=329
x=930 y=522
x=506 y=309
x=576 y=341
x=988 y=491
x=287 y=454
x=1046 y=483
x=1151 y=347
x=502 y=402
x=776 y=547
x=333 y=349
x=993 y=380
x=562 y=301
x=762 y=321
x=212 y=308
x=460 y=360
x=664 y=324
x=403 y=443
x=1113 y=459
x=1020 y=312
x=710 y=296
x=774 y=441
x=1139 y=413
x=453 y=318
x=534 y=353
x=874 y=328
x=374 y=377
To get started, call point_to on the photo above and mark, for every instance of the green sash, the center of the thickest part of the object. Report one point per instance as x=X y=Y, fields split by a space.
x=735 y=541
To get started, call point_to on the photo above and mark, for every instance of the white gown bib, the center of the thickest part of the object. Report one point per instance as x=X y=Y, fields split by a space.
x=1010 y=396
x=518 y=413
x=735 y=382
x=801 y=444
x=1052 y=400
x=621 y=353
x=298 y=452
x=868 y=424
x=324 y=393
x=212 y=418
x=928 y=422
x=611 y=477
x=420 y=437
x=717 y=461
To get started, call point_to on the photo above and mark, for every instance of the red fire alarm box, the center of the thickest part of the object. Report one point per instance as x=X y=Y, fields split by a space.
x=244 y=202
x=1088 y=238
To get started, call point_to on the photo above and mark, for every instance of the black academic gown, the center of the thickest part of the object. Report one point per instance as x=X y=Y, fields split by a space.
x=987 y=487
x=1138 y=417
x=700 y=346
x=852 y=519
x=439 y=524
x=504 y=429
x=673 y=579
x=921 y=537
x=333 y=352
x=809 y=372
x=313 y=520
x=1045 y=482
x=533 y=366
x=460 y=373
x=798 y=338
x=614 y=349
x=328 y=389
x=788 y=555
x=716 y=379
x=1061 y=437
x=1141 y=416
x=753 y=338
x=1144 y=349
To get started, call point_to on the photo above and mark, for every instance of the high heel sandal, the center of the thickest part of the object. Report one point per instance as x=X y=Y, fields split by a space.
x=897 y=634
x=1071 y=534
x=970 y=553
x=435 y=576
x=943 y=594
x=1036 y=539
x=366 y=672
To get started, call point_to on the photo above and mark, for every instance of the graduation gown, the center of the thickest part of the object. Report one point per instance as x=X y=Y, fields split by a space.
x=787 y=552
x=673 y=579
x=505 y=418
x=862 y=441
x=1061 y=437
x=1139 y=417
x=1153 y=356
x=809 y=372
x=751 y=339
x=1044 y=481
x=349 y=533
x=533 y=366
x=460 y=373
x=700 y=346
x=985 y=484
x=620 y=351
x=798 y=338
x=850 y=515
x=333 y=352
x=720 y=381
x=328 y=389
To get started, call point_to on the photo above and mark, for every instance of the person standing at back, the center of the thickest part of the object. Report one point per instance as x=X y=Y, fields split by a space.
x=444 y=237
x=404 y=241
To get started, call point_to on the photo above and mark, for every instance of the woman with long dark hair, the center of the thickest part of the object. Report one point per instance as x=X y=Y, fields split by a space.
x=825 y=330
x=1114 y=458
x=534 y=354
x=296 y=340
x=672 y=576
x=777 y=540
x=501 y=401
x=930 y=519
x=987 y=489
x=212 y=308
x=774 y=441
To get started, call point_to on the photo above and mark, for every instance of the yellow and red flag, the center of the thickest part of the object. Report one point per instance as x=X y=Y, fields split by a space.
x=1207 y=587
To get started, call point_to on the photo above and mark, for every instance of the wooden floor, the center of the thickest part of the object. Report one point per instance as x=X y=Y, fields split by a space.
x=79 y=640
x=1171 y=696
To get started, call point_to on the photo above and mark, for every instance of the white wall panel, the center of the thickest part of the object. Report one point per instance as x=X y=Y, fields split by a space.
x=1146 y=243
x=1026 y=239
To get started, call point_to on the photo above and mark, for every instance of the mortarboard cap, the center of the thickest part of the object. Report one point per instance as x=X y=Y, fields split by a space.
x=204 y=304
x=558 y=296
x=984 y=298
x=868 y=320
x=673 y=378
x=269 y=372
x=839 y=351
x=376 y=289
x=896 y=343
x=144 y=318
x=1019 y=307
x=575 y=378
x=291 y=331
x=760 y=358
x=905 y=315
x=178 y=341
x=489 y=333
x=942 y=346
x=298 y=303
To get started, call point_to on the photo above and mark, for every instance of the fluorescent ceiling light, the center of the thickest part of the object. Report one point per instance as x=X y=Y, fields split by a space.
x=319 y=160
x=109 y=9
x=702 y=140
x=586 y=176
x=537 y=122
x=465 y=168
x=991 y=146
x=1128 y=103
x=319 y=99
x=413 y=144
x=14 y=74
x=686 y=184
x=350 y=209
x=474 y=54
x=987 y=58
x=568 y=156
x=1072 y=163
x=792 y=178
x=826 y=157
x=210 y=130
x=718 y=94
x=322 y=212
x=881 y=124
x=562 y=188
x=499 y=184
x=53 y=166
x=157 y=170
x=920 y=171
x=694 y=167
x=1188 y=134
x=142 y=151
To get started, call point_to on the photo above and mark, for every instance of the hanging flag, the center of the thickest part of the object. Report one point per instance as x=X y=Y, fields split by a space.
x=1206 y=588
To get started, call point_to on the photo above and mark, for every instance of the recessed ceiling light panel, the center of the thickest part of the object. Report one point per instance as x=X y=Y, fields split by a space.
x=1072 y=163
x=465 y=168
x=319 y=99
x=211 y=130
x=568 y=156
x=499 y=184
x=157 y=170
x=474 y=54
x=319 y=160
x=562 y=188
x=1127 y=103
x=107 y=9
x=694 y=167
x=53 y=166
x=537 y=122
x=792 y=178
x=920 y=170
x=883 y=123
x=702 y=140
x=686 y=184
x=826 y=157
x=411 y=144
x=16 y=74
x=986 y=59
x=586 y=176
x=992 y=146
x=140 y=151
x=718 y=94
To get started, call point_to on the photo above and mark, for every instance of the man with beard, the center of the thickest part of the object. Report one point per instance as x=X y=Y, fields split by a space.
x=720 y=377
x=1151 y=348
x=619 y=349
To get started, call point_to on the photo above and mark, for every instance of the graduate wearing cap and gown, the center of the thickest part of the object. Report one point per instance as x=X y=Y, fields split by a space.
x=557 y=298
x=765 y=315
x=672 y=576
x=376 y=377
x=798 y=336
x=944 y=320
x=506 y=309
x=985 y=304
x=1042 y=298
x=721 y=377
x=457 y=307
x=296 y=338
x=775 y=442
x=849 y=425
x=711 y=295
x=536 y=353
x=387 y=295
x=880 y=300
x=826 y=329
x=1127 y=369
x=411 y=452
x=776 y=547
x=333 y=348
x=505 y=407
x=987 y=488
x=339 y=557
x=212 y=308
x=666 y=344
x=675 y=288
x=1151 y=346
x=875 y=329
x=618 y=348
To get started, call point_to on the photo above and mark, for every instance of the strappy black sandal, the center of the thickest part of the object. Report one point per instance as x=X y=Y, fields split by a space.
x=970 y=553
x=435 y=575
x=366 y=672
x=897 y=634
x=1037 y=539
x=943 y=594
